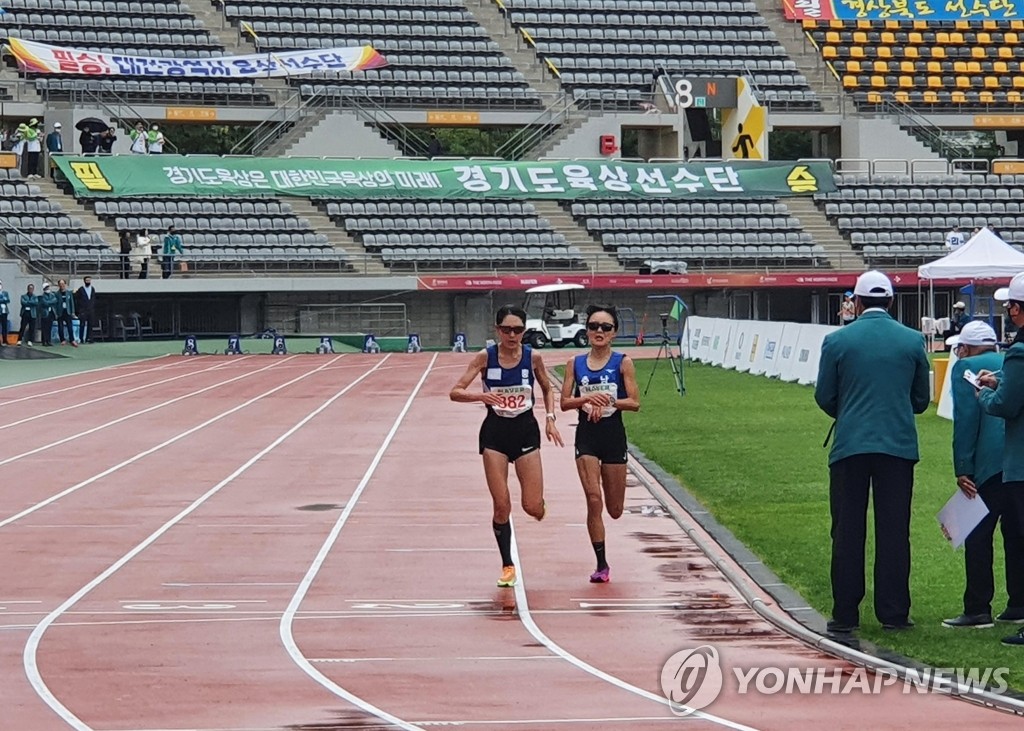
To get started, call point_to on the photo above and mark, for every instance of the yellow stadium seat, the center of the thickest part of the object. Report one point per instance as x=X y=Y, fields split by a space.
x=829 y=52
x=960 y=67
x=990 y=25
x=849 y=81
x=938 y=52
x=902 y=96
x=865 y=25
x=920 y=25
x=961 y=25
x=963 y=82
x=832 y=38
x=860 y=38
x=986 y=97
x=1010 y=39
x=1018 y=82
x=958 y=97
x=907 y=67
x=857 y=52
x=853 y=67
x=911 y=52
x=930 y=97
x=1017 y=25
x=991 y=82
x=881 y=67
x=906 y=82
x=1005 y=52
x=934 y=67
x=875 y=98
x=915 y=39
x=942 y=38
x=956 y=39
x=878 y=82
x=836 y=24
x=934 y=82
x=1001 y=67
x=808 y=24
x=985 y=39
x=884 y=52
x=978 y=52
x=1013 y=97
x=888 y=39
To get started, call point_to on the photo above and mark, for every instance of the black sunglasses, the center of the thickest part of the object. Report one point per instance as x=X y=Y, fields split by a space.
x=602 y=326
x=512 y=329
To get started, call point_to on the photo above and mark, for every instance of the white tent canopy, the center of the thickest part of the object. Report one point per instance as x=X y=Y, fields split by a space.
x=984 y=256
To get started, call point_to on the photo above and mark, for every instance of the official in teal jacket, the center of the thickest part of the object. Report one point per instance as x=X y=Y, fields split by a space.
x=978 y=464
x=1002 y=395
x=872 y=379
x=29 y=311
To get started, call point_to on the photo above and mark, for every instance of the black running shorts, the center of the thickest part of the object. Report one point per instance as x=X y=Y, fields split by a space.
x=512 y=437
x=605 y=440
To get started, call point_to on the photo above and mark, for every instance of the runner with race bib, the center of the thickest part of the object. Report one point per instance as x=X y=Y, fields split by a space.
x=510 y=433
x=601 y=384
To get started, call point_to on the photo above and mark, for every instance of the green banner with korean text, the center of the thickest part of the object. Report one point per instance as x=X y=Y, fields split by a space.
x=165 y=175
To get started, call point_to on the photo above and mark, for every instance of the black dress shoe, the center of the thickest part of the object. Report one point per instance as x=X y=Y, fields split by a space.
x=1016 y=640
x=840 y=628
x=1011 y=614
x=898 y=626
x=978 y=621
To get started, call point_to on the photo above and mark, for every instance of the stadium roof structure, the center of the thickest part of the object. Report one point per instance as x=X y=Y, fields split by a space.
x=983 y=257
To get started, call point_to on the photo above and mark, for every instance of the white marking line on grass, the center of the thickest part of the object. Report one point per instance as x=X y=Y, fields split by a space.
x=29 y=657
x=132 y=415
x=523 y=607
x=80 y=373
x=288 y=618
x=116 y=394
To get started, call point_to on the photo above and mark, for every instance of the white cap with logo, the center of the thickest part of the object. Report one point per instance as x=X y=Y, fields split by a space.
x=873 y=284
x=1014 y=292
x=975 y=332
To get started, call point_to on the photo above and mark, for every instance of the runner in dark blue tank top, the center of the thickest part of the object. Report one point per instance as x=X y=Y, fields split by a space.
x=510 y=432
x=601 y=384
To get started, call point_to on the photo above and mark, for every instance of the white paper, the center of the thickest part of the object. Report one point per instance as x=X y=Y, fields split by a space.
x=972 y=378
x=959 y=516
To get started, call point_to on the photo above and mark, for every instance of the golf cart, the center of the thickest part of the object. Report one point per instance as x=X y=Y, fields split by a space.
x=551 y=316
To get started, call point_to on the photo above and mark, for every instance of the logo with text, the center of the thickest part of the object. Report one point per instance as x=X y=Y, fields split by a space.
x=693 y=679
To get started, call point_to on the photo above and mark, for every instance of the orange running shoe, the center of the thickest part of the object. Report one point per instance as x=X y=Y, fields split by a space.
x=508 y=576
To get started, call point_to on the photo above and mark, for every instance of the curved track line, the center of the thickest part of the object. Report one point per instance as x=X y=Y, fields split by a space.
x=80 y=373
x=523 y=608
x=29 y=659
x=103 y=398
x=145 y=453
x=285 y=627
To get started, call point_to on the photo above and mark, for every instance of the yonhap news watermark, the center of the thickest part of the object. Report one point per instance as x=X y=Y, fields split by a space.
x=693 y=679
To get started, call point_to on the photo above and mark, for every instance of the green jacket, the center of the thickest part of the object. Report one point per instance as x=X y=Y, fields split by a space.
x=29 y=305
x=977 y=437
x=872 y=379
x=172 y=245
x=48 y=303
x=65 y=302
x=1007 y=402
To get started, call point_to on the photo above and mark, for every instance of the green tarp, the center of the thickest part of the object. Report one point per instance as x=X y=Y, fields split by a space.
x=157 y=175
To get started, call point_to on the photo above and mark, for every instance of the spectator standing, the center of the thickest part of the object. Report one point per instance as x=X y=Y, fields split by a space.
x=47 y=313
x=954 y=238
x=978 y=440
x=5 y=311
x=847 y=310
x=125 y=240
x=434 y=146
x=872 y=379
x=172 y=246
x=29 y=311
x=155 y=140
x=87 y=141
x=142 y=253
x=30 y=133
x=54 y=146
x=138 y=137
x=65 y=313
x=105 y=142
x=1002 y=395
x=85 y=305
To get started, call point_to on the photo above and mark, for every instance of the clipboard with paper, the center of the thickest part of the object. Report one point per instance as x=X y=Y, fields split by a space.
x=959 y=516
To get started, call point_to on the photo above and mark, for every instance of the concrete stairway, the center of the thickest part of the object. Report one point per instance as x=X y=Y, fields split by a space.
x=807 y=57
x=486 y=13
x=340 y=239
x=75 y=209
x=840 y=253
x=595 y=257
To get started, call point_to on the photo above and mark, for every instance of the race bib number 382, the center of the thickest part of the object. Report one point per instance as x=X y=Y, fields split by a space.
x=515 y=400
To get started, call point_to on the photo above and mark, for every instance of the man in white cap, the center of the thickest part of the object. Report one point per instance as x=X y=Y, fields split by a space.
x=978 y=464
x=54 y=146
x=872 y=379
x=1002 y=395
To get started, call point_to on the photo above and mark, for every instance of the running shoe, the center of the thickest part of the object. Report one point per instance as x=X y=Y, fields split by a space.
x=601 y=576
x=508 y=576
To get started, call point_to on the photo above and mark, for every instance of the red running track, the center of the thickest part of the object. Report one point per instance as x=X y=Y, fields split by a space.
x=308 y=547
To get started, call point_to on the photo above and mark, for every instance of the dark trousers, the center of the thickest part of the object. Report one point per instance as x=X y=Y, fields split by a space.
x=891 y=483
x=62 y=321
x=46 y=336
x=84 y=326
x=1003 y=505
x=168 y=266
x=126 y=266
x=4 y=328
x=27 y=331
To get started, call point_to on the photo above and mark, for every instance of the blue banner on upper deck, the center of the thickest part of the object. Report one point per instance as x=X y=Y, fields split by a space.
x=974 y=10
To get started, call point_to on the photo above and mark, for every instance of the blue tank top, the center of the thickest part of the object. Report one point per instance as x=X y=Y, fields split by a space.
x=606 y=379
x=515 y=384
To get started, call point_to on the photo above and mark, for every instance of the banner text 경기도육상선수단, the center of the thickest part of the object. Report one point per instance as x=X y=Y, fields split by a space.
x=137 y=175
x=39 y=58
x=935 y=10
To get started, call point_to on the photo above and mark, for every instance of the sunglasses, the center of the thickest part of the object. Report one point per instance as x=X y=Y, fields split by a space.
x=606 y=327
x=511 y=329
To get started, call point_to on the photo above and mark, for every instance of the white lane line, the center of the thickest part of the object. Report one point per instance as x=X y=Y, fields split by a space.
x=81 y=385
x=285 y=627
x=30 y=656
x=435 y=550
x=431 y=659
x=146 y=452
x=234 y=583
x=523 y=608
x=116 y=394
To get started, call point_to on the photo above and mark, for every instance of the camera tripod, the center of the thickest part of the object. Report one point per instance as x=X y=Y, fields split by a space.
x=665 y=349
